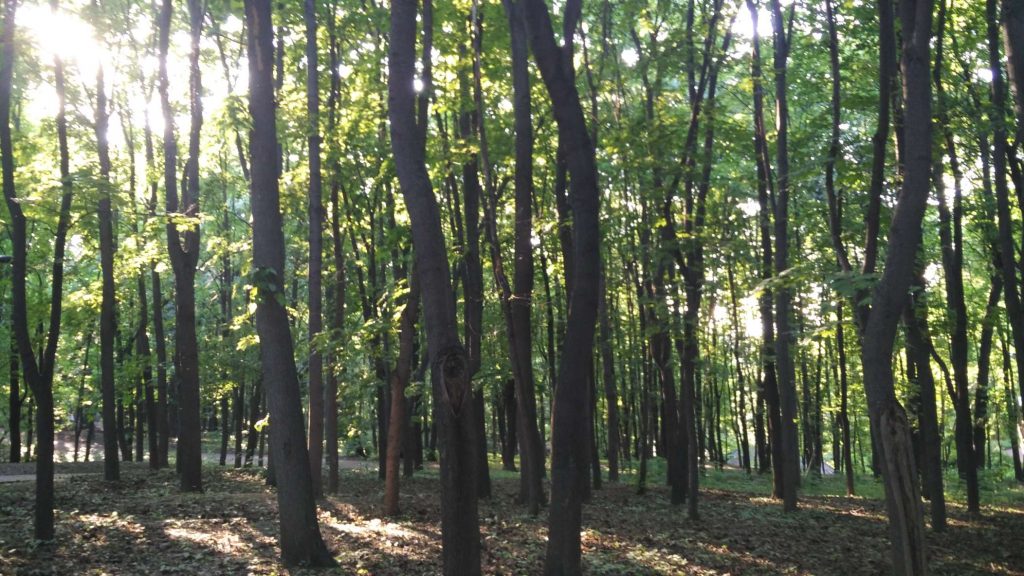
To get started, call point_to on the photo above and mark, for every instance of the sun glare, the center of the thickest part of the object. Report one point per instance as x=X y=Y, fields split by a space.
x=59 y=33
x=743 y=26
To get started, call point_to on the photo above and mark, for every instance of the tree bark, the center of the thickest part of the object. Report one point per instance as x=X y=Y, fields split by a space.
x=301 y=543
x=399 y=381
x=890 y=426
x=454 y=412
x=183 y=243
x=1011 y=290
x=38 y=373
x=316 y=218
x=570 y=456
x=785 y=335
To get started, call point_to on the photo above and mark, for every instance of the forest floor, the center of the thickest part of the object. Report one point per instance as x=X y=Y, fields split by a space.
x=145 y=525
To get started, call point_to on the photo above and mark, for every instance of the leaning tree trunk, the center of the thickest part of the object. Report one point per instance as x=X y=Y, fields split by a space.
x=301 y=543
x=889 y=420
x=453 y=393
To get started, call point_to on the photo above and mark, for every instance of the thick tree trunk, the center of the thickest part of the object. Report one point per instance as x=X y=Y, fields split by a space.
x=890 y=426
x=301 y=543
x=570 y=457
x=454 y=406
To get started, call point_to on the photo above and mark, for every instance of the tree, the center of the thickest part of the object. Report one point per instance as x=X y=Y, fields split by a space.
x=570 y=456
x=888 y=419
x=301 y=543
x=38 y=372
x=518 y=300
x=460 y=530
x=316 y=218
x=183 y=241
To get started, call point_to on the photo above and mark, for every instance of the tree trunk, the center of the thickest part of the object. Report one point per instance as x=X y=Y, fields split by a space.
x=470 y=124
x=611 y=394
x=301 y=543
x=183 y=244
x=1011 y=294
x=454 y=407
x=1013 y=42
x=768 y=382
x=889 y=420
x=951 y=240
x=570 y=458
x=38 y=373
x=915 y=317
x=399 y=381
x=790 y=463
x=15 y=401
x=984 y=367
x=316 y=218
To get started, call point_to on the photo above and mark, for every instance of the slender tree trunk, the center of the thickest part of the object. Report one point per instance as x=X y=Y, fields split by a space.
x=790 y=463
x=183 y=243
x=1012 y=414
x=984 y=367
x=769 y=380
x=238 y=419
x=15 y=401
x=1012 y=19
x=38 y=373
x=316 y=218
x=915 y=317
x=1011 y=293
x=470 y=125
x=611 y=393
x=399 y=381
x=301 y=543
x=951 y=241
x=108 y=327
